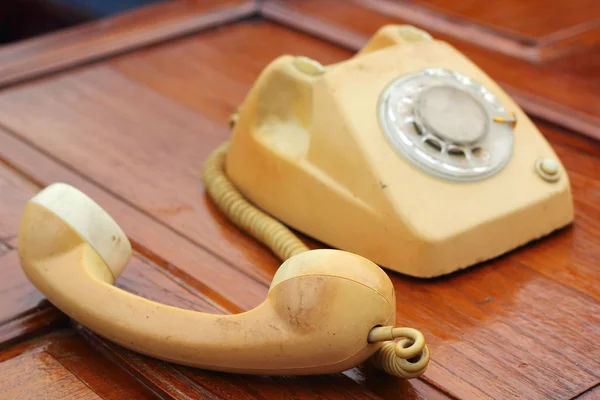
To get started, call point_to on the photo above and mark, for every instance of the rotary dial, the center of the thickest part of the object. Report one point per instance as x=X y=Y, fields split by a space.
x=447 y=124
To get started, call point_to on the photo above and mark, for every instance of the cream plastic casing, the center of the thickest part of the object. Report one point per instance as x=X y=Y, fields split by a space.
x=308 y=149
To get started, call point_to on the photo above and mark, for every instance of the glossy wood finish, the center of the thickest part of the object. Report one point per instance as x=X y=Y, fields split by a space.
x=63 y=366
x=132 y=131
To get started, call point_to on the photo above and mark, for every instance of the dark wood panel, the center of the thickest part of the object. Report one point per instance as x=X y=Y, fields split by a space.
x=95 y=40
x=537 y=30
x=563 y=92
x=63 y=366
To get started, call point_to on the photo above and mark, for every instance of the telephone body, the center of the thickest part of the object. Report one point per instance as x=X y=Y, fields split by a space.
x=334 y=153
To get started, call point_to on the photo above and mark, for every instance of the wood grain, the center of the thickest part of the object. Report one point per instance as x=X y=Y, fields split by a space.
x=133 y=131
x=592 y=394
x=562 y=91
x=17 y=295
x=125 y=32
x=63 y=366
x=27 y=325
x=14 y=192
x=40 y=376
x=530 y=30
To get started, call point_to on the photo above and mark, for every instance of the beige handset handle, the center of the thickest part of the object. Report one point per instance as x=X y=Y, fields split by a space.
x=318 y=316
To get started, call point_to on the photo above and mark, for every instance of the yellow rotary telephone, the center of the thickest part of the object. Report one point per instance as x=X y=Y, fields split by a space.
x=407 y=155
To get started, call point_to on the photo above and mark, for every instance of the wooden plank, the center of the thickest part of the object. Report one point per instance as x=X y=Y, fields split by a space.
x=389 y=387
x=221 y=85
x=557 y=91
x=63 y=366
x=17 y=295
x=25 y=326
x=105 y=37
x=161 y=377
x=524 y=30
x=503 y=331
x=14 y=192
x=592 y=394
x=39 y=375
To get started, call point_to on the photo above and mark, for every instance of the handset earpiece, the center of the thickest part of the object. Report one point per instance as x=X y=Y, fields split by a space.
x=326 y=310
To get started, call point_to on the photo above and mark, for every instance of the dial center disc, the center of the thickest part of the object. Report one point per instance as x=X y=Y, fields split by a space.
x=451 y=114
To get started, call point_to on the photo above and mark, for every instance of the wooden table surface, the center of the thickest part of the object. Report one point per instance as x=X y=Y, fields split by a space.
x=128 y=108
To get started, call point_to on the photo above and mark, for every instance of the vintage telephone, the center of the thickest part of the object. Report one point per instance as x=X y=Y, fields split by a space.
x=407 y=155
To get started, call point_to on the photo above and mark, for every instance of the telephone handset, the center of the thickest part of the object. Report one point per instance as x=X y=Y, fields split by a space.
x=326 y=310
